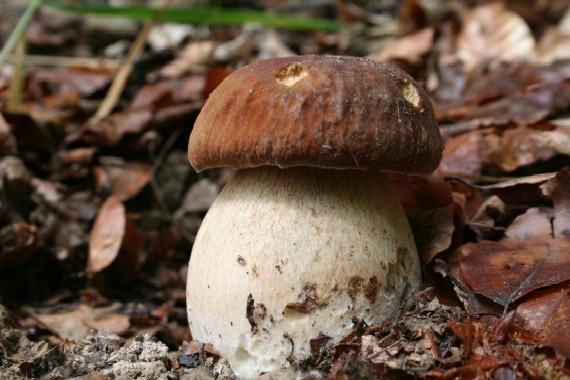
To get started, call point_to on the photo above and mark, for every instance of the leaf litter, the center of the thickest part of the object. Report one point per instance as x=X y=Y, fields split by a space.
x=98 y=217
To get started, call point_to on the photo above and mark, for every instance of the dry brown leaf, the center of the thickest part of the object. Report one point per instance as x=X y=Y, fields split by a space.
x=484 y=221
x=525 y=146
x=505 y=80
x=524 y=190
x=463 y=154
x=125 y=181
x=419 y=193
x=18 y=243
x=194 y=54
x=508 y=269
x=535 y=223
x=491 y=32
x=113 y=322
x=433 y=231
x=111 y=130
x=411 y=48
x=553 y=46
x=558 y=189
x=69 y=323
x=545 y=312
x=107 y=235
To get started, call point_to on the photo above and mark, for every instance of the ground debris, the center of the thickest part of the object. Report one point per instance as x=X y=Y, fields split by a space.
x=101 y=356
x=437 y=341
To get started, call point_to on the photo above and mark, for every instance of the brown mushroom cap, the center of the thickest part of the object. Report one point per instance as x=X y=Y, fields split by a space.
x=320 y=111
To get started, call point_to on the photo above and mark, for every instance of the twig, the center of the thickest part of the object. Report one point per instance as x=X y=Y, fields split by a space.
x=114 y=93
x=19 y=30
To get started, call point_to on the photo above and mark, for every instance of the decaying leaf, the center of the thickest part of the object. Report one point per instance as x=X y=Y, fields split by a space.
x=411 y=48
x=125 y=181
x=491 y=32
x=18 y=243
x=558 y=188
x=107 y=235
x=545 y=313
x=506 y=270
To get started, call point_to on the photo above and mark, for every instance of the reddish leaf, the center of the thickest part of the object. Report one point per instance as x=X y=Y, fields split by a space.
x=418 y=193
x=545 y=312
x=433 y=231
x=463 y=154
x=125 y=181
x=107 y=235
x=506 y=270
x=525 y=190
x=411 y=48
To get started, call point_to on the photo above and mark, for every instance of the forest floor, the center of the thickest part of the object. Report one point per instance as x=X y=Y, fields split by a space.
x=99 y=206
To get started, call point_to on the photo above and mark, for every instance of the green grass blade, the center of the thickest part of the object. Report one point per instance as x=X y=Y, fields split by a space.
x=19 y=30
x=207 y=16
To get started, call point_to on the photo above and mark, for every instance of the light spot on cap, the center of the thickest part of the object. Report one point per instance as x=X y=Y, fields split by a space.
x=290 y=74
x=410 y=93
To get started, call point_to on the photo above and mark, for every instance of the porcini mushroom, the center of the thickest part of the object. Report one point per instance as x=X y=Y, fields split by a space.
x=293 y=248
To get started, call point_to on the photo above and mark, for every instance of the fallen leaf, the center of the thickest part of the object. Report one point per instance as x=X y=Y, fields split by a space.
x=526 y=146
x=18 y=243
x=535 y=223
x=463 y=154
x=508 y=269
x=524 y=190
x=69 y=323
x=125 y=181
x=112 y=322
x=433 y=231
x=545 y=313
x=106 y=235
x=419 y=193
x=558 y=188
x=412 y=48
x=491 y=32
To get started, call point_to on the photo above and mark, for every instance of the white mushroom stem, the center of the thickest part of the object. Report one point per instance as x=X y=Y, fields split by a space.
x=287 y=255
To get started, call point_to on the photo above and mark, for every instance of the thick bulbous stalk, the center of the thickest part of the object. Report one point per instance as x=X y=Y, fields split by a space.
x=289 y=255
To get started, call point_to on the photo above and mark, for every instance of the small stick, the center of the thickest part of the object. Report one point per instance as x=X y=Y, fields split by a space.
x=114 y=93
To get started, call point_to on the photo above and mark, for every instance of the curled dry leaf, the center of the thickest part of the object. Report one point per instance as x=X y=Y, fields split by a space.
x=504 y=81
x=491 y=32
x=18 y=243
x=524 y=190
x=68 y=323
x=471 y=153
x=417 y=193
x=535 y=223
x=484 y=222
x=464 y=153
x=194 y=54
x=125 y=181
x=545 y=313
x=112 y=322
x=525 y=146
x=111 y=130
x=411 y=48
x=508 y=269
x=558 y=189
x=107 y=235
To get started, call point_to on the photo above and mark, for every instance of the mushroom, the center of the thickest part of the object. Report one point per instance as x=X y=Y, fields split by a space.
x=308 y=234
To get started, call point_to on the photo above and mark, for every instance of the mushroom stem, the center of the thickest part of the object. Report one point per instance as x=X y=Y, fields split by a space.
x=285 y=256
